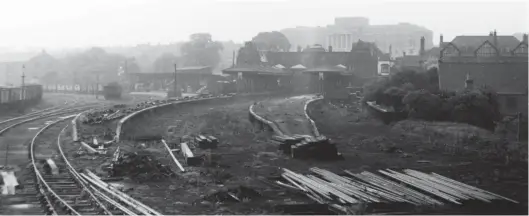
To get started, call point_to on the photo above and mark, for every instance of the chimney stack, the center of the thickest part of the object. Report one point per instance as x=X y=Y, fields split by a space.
x=403 y=53
x=299 y=48
x=469 y=83
x=495 y=39
x=421 y=52
x=330 y=48
x=441 y=40
x=524 y=38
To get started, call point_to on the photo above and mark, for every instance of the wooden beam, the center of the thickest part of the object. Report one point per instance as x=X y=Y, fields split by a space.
x=172 y=155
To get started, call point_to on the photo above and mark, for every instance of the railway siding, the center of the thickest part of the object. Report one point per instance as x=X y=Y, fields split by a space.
x=286 y=116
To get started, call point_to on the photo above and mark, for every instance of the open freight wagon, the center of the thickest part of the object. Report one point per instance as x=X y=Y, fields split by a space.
x=112 y=91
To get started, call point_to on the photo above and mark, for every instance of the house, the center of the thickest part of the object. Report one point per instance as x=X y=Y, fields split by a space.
x=499 y=62
x=313 y=69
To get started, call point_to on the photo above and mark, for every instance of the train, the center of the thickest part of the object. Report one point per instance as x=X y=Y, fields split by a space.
x=16 y=97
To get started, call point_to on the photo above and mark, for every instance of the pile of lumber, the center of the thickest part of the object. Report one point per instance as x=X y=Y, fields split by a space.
x=206 y=142
x=411 y=187
x=307 y=147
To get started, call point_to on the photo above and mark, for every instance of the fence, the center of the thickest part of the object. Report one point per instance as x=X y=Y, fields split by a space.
x=75 y=88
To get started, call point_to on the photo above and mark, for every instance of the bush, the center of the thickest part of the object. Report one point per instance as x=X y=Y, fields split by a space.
x=418 y=93
x=422 y=104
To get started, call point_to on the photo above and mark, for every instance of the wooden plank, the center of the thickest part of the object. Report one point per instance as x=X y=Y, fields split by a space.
x=172 y=155
x=472 y=188
x=186 y=151
x=420 y=186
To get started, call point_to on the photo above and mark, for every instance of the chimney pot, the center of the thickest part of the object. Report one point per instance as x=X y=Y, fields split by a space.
x=330 y=48
x=403 y=53
x=495 y=39
x=440 y=40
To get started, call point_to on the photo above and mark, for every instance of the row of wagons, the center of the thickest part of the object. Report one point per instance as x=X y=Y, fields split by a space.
x=13 y=96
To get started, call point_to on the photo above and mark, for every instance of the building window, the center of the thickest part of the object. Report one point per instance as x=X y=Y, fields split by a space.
x=511 y=103
x=520 y=50
x=486 y=50
x=450 y=50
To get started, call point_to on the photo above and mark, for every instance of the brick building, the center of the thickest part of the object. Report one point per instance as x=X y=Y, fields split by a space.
x=499 y=62
x=313 y=69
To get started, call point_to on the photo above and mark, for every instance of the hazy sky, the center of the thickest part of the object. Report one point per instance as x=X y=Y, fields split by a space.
x=79 y=23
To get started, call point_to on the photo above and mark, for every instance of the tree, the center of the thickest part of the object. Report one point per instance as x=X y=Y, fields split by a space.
x=50 y=77
x=165 y=63
x=273 y=41
x=95 y=61
x=201 y=50
x=248 y=55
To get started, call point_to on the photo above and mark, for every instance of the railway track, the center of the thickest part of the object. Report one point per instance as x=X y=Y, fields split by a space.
x=30 y=197
x=64 y=192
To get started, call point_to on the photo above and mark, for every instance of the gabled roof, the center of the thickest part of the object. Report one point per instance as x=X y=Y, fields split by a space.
x=298 y=66
x=521 y=49
x=280 y=66
x=336 y=68
x=486 y=44
x=473 y=42
x=257 y=69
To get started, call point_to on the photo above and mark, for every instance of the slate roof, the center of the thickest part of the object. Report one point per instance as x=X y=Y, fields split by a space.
x=258 y=69
x=471 y=43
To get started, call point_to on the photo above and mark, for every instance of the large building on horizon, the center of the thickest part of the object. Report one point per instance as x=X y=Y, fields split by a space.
x=394 y=39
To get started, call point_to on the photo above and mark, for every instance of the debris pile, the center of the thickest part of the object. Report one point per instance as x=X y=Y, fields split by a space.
x=138 y=166
x=410 y=188
x=307 y=147
x=100 y=116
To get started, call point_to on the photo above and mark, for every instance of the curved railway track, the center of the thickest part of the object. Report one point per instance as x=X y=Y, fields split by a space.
x=31 y=197
x=43 y=192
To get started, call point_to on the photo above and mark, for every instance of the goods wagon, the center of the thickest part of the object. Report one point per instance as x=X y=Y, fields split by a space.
x=112 y=91
x=16 y=97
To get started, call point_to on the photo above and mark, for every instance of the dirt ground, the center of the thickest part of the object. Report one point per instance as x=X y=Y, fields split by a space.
x=287 y=113
x=367 y=143
x=245 y=157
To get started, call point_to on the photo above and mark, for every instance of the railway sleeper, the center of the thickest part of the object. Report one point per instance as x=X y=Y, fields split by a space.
x=64 y=186
x=60 y=183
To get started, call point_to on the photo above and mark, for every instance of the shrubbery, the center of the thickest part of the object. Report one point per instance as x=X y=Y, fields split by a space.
x=418 y=94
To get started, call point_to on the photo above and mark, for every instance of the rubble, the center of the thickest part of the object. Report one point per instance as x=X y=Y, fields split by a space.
x=139 y=166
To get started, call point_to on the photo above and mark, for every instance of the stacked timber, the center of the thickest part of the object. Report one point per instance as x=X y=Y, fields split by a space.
x=206 y=142
x=307 y=147
x=409 y=188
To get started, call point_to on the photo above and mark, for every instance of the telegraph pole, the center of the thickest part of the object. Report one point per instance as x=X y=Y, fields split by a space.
x=23 y=90
x=175 y=80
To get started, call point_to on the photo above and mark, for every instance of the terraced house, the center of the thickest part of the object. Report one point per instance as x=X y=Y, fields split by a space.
x=499 y=62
